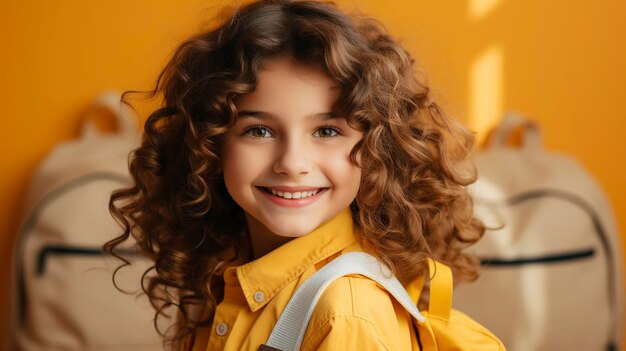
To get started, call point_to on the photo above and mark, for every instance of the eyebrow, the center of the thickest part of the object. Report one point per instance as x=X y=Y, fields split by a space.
x=267 y=115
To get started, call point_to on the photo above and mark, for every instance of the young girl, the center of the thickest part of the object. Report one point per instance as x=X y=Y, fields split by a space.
x=289 y=135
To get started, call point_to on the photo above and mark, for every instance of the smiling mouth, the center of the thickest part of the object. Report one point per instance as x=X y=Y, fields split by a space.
x=293 y=195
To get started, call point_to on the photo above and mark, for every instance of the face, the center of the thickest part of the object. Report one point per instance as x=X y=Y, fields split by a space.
x=285 y=161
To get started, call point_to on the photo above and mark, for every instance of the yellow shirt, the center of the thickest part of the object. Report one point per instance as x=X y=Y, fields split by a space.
x=354 y=313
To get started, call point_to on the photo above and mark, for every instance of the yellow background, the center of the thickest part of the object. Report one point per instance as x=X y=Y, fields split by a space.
x=559 y=61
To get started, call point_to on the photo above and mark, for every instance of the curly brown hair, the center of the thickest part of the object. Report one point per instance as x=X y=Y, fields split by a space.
x=412 y=202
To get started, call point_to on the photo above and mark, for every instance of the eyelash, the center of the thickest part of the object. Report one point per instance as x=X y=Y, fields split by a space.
x=259 y=126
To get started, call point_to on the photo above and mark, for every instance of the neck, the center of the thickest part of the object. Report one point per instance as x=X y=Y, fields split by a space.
x=262 y=239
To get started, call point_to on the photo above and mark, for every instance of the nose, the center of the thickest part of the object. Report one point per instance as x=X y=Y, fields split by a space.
x=293 y=158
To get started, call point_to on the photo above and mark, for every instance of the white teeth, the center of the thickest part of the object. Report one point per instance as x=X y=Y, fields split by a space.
x=294 y=195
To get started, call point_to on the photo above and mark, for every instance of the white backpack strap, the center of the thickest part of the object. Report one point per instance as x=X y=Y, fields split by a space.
x=289 y=330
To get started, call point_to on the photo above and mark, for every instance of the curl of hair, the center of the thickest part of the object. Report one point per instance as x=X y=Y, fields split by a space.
x=412 y=202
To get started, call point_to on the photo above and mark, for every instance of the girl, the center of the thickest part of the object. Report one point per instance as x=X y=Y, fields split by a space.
x=289 y=135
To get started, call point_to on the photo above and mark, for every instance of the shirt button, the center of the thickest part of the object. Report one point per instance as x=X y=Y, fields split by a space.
x=221 y=329
x=259 y=296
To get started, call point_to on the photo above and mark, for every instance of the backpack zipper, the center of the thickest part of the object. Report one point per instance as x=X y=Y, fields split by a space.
x=60 y=250
x=556 y=258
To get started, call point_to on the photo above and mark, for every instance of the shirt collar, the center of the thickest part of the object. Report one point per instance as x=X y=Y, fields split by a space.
x=263 y=278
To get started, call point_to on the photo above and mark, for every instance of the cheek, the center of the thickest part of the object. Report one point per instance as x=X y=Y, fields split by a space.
x=238 y=165
x=342 y=172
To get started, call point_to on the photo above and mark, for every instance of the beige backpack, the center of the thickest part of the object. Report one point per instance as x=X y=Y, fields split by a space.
x=552 y=267
x=63 y=295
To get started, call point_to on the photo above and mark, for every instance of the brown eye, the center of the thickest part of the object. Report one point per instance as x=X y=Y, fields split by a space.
x=326 y=132
x=258 y=132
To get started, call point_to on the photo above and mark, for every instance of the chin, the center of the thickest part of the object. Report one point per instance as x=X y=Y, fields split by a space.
x=292 y=230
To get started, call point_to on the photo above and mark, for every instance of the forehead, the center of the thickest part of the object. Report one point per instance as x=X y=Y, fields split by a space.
x=285 y=87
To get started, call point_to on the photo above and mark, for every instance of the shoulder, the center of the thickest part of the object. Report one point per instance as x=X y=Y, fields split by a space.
x=355 y=296
x=356 y=310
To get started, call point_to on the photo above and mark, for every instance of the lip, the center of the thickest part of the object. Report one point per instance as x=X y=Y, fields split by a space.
x=292 y=189
x=294 y=203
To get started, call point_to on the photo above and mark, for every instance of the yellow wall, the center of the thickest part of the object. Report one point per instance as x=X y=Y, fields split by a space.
x=560 y=62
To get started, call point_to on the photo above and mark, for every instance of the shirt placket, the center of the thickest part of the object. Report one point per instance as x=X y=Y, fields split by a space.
x=225 y=318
